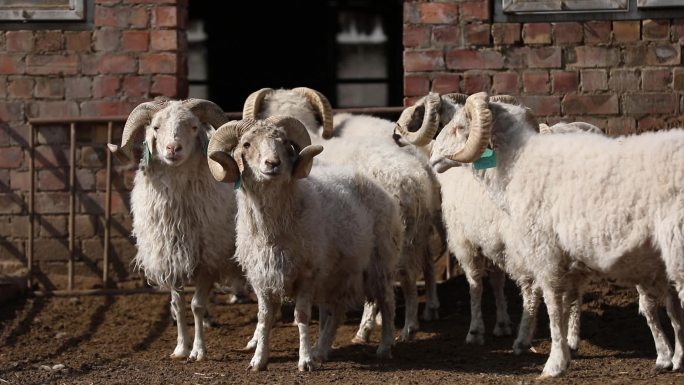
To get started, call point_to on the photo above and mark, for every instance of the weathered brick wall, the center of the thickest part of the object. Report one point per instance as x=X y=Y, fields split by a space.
x=133 y=52
x=624 y=76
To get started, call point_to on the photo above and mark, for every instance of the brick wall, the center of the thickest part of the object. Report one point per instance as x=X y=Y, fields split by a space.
x=624 y=76
x=133 y=52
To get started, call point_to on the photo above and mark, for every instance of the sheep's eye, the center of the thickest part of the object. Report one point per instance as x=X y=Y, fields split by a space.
x=155 y=128
x=194 y=128
x=246 y=145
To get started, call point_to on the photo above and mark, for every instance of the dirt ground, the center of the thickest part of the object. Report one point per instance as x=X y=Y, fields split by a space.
x=127 y=339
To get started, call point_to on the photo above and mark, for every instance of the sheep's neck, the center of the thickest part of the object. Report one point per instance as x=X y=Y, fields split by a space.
x=270 y=209
x=192 y=173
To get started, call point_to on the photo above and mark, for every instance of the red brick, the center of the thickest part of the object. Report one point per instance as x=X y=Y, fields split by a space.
x=164 y=17
x=446 y=35
x=11 y=111
x=52 y=226
x=136 y=40
x=52 y=64
x=50 y=88
x=590 y=105
x=623 y=80
x=678 y=30
x=165 y=85
x=589 y=56
x=53 y=179
x=446 y=83
x=536 y=33
x=52 y=202
x=89 y=64
x=626 y=31
x=415 y=85
x=653 y=54
x=86 y=179
x=78 y=41
x=107 y=39
x=53 y=109
x=19 y=41
x=416 y=36
x=136 y=85
x=52 y=135
x=105 y=108
x=476 y=82
x=438 y=13
x=536 y=82
x=506 y=33
x=49 y=41
x=3 y=94
x=505 y=83
x=93 y=203
x=544 y=57
x=165 y=63
x=411 y=12
x=474 y=59
x=478 y=10
x=618 y=126
x=567 y=33
x=11 y=64
x=107 y=2
x=594 y=80
x=19 y=180
x=597 y=32
x=117 y=64
x=11 y=203
x=423 y=60
x=139 y=18
x=663 y=103
x=20 y=87
x=678 y=79
x=84 y=226
x=564 y=81
x=11 y=157
x=164 y=40
x=476 y=34
x=104 y=86
x=111 y=16
x=542 y=105
x=655 y=79
x=50 y=156
x=516 y=57
x=77 y=87
x=655 y=29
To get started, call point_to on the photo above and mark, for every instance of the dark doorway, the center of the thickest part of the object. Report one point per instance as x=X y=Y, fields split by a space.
x=350 y=50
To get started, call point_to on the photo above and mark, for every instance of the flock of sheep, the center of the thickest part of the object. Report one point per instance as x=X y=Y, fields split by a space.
x=331 y=210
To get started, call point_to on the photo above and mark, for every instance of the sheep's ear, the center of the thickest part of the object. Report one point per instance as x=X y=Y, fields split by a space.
x=223 y=167
x=304 y=161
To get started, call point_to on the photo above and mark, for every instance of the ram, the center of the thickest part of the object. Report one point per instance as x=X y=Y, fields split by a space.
x=608 y=206
x=329 y=238
x=183 y=220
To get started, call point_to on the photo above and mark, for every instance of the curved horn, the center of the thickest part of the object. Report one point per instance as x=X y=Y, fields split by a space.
x=221 y=144
x=479 y=120
x=322 y=105
x=140 y=117
x=455 y=98
x=586 y=127
x=429 y=107
x=544 y=128
x=295 y=130
x=252 y=104
x=206 y=111
x=507 y=99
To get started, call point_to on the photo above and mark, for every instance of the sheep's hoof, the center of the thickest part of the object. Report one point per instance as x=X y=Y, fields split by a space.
x=257 y=365
x=307 y=365
x=475 y=337
x=502 y=329
x=520 y=348
x=359 y=340
x=430 y=314
x=251 y=345
x=677 y=363
x=181 y=353
x=408 y=335
x=384 y=352
x=198 y=354
x=662 y=366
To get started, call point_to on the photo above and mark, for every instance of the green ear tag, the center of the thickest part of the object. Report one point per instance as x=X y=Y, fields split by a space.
x=147 y=155
x=238 y=183
x=206 y=147
x=487 y=160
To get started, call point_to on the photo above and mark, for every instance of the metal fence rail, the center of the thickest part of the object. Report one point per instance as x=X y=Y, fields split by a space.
x=73 y=123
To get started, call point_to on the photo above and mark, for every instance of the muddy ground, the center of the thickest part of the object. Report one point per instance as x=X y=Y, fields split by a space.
x=127 y=339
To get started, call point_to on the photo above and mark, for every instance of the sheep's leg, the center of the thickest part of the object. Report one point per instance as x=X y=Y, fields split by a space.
x=559 y=357
x=302 y=315
x=531 y=296
x=267 y=305
x=648 y=307
x=408 y=286
x=182 y=350
x=676 y=315
x=370 y=311
x=199 y=307
x=387 y=309
x=327 y=334
x=497 y=279
x=431 y=311
x=574 y=304
x=474 y=269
